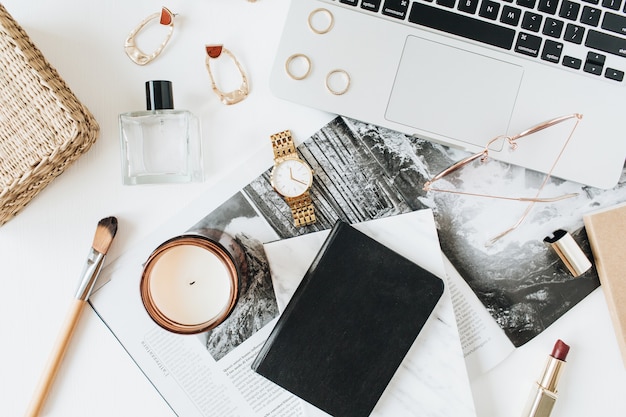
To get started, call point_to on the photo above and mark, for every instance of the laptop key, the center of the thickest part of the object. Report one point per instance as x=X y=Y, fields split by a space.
x=446 y=3
x=371 y=5
x=464 y=26
x=594 y=63
x=468 y=6
x=396 y=8
x=572 y=62
x=596 y=58
x=526 y=3
x=510 y=15
x=590 y=16
x=548 y=6
x=532 y=21
x=489 y=9
x=614 y=74
x=614 y=23
x=569 y=10
x=592 y=68
x=612 y=4
x=553 y=27
x=528 y=44
x=607 y=43
x=552 y=51
x=350 y=2
x=574 y=33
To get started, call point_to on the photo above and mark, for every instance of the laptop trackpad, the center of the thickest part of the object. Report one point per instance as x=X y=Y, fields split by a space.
x=453 y=93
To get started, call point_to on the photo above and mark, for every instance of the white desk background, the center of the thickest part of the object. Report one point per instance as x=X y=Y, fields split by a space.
x=43 y=249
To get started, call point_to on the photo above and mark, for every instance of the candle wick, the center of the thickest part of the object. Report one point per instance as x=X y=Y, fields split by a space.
x=191 y=283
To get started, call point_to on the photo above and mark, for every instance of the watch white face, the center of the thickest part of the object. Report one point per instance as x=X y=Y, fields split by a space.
x=292 y=177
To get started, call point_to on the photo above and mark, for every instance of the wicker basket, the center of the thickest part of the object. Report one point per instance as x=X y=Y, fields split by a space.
x=43 y=126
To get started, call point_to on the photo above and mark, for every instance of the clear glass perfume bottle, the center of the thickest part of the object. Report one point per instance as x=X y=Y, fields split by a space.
x=160 y=145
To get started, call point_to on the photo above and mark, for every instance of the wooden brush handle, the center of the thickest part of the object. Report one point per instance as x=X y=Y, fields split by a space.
x=56 y=357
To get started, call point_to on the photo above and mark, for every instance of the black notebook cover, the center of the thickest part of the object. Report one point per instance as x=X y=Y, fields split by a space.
x=349 y=324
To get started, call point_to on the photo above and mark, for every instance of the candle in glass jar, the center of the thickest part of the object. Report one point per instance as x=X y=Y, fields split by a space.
x=190 y=285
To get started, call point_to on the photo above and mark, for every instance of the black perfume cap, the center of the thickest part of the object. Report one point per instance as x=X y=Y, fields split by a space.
x=159 y=95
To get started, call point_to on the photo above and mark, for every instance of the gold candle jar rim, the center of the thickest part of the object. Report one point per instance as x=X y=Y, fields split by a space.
x=216 y=249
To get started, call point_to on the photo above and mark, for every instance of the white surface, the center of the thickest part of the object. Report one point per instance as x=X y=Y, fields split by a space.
x=43 y=249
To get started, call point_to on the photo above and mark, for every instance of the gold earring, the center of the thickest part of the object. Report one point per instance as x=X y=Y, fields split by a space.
x=166 y=18
x=232 y=97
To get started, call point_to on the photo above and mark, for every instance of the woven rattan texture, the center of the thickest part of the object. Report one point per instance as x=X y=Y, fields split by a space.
x=43 y=126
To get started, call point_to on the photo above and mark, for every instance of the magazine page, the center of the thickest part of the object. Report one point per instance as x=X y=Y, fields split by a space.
x=432 y=379
x=205 y=374
x=483 y=342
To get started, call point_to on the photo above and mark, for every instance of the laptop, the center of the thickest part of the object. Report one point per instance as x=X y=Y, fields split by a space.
x=460 y=72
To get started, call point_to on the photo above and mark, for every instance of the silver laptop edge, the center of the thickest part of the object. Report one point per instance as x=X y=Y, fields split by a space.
x=452 y=91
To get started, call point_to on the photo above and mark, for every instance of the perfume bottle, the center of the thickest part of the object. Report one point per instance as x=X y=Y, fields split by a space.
x=160 y=145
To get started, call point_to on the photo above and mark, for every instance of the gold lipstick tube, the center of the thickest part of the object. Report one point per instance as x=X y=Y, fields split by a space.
x=544 y=395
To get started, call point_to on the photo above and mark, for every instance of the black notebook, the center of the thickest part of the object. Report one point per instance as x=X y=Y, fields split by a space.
x=349 y=324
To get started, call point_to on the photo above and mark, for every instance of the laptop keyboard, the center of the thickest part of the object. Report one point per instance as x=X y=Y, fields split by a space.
x=585 y=35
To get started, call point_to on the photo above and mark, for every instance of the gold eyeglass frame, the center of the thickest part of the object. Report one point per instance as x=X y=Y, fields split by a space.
x=512 y=141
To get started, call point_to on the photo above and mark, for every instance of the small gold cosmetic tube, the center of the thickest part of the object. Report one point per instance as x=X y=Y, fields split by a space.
x=570 y=253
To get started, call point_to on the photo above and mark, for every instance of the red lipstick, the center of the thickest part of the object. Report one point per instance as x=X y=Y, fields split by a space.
x=544 y=395
x=560 y=350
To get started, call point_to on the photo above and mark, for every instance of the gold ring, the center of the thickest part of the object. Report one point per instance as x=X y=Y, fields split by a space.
x=345 y=77
x=299 y=57
x=331 y=21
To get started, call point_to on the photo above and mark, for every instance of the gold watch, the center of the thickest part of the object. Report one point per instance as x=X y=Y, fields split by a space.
x=292 y=178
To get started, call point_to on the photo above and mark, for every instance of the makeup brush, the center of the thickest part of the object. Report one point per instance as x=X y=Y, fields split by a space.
x=105 y=232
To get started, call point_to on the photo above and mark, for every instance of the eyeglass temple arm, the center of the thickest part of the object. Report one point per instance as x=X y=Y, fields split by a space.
x=453 y=168
x=545 y=125
x=530 y=131
x=485 y=152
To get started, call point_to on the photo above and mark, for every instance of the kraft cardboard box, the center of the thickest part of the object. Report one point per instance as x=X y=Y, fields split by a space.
x=606 y=230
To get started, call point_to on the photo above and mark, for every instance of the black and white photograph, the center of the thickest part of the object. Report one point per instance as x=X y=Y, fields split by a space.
x=256 y=304
x=364 y=172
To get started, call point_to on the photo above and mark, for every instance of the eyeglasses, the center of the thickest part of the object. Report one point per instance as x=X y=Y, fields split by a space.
x=513 y=144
